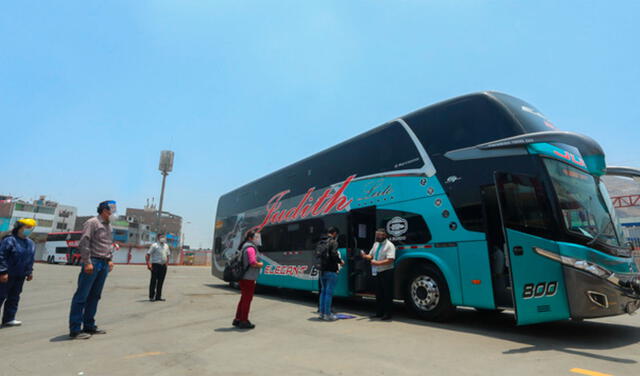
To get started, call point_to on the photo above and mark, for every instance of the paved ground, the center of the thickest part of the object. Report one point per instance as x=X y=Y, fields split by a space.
x=191 y=333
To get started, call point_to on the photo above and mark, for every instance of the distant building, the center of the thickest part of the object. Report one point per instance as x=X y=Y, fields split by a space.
x=139 y=227
x=168 y=223
x=50 y=215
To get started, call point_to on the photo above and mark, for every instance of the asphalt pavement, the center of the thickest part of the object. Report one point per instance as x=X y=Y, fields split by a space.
x=191 y=334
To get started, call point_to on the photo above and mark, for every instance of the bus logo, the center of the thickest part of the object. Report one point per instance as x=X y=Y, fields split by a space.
x=397 y=226
x=328 y=202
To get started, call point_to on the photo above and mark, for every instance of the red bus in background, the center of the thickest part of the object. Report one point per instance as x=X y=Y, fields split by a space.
x=62 y=247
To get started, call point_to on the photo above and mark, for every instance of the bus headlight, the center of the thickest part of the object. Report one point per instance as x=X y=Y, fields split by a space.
x=594 y=269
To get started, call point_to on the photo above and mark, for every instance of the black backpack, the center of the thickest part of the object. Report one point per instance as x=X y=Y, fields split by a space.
x=234 y=270
x=323 y=252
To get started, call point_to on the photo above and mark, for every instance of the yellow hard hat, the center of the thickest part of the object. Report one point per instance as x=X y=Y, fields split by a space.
x=28 y=222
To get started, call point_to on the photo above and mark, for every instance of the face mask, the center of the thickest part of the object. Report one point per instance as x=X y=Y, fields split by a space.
x=113 y=218
x=27 y=231
x=379 y=239
x=163 y=240
x=257 y=240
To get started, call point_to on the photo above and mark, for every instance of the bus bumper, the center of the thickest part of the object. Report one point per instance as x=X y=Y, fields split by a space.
x=591 y=297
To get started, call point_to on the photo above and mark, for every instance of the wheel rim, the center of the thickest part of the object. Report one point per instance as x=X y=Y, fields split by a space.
x=425 y=293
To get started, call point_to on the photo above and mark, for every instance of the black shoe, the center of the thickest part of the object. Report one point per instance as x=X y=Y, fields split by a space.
x=246 y=325
x=152 y=299
x=386 y=318
x=160 y=300
x=94 y=331
x=235 y=322
x=79 y=335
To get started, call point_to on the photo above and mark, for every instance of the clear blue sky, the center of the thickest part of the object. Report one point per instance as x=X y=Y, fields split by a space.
x=91 y=91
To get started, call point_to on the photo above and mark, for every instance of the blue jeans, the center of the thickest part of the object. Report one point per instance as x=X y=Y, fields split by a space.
x=10 y=296
x=85 y=301
x=327 y=283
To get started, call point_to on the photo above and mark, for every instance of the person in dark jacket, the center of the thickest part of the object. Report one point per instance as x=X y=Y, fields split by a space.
x=330 y=263
x=17 y=253
x=250 y=255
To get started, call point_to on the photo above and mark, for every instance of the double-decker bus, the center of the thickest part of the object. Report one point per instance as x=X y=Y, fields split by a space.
x=62 y=247
x=488 y=203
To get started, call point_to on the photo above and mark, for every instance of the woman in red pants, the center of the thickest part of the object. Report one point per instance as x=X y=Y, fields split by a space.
x=249 y=249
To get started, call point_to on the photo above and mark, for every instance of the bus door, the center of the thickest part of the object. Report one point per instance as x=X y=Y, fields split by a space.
x=537 y=282
x=362 y=231
x=496 y=245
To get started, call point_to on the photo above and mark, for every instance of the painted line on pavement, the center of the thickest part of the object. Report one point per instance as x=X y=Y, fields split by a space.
x=136 y=356
x=588 y=372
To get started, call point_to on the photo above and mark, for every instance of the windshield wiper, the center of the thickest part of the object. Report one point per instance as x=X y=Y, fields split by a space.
x=609 y=223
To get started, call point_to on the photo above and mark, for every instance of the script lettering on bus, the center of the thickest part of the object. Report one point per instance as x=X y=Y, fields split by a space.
x=327 y=202
x=570 y=157
x=378 y=190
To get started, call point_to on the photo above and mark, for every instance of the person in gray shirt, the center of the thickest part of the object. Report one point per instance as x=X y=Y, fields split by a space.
x=157 y=259
x=96 y=247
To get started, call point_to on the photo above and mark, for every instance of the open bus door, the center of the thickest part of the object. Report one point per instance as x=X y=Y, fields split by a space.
x=537 y=283
x=362 y=230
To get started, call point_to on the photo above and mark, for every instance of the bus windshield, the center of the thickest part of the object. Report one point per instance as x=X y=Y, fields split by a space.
x=585 y=209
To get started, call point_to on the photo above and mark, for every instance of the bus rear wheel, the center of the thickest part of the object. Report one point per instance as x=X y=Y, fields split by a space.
x=427 y=294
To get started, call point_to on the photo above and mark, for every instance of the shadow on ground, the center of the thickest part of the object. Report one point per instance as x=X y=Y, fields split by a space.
x=570 y=337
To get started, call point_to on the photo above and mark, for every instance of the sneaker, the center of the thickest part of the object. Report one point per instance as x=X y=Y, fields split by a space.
x=94 y=331
x=160 y=300
x=235 y=322
x=246 y=325
x=79 y=335
x=329 y=318
x=13 y=323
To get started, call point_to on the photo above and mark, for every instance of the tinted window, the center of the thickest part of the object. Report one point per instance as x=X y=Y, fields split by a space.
x=384 y=149
x=464 y=122
x=56 y=237
x=523 y=204
x=404 y=227
x=301 y=236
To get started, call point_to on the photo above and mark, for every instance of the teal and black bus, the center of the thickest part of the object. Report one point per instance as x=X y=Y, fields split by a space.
x=489 y=205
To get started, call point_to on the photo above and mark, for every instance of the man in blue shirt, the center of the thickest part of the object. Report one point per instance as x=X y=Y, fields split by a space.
x=17 y=253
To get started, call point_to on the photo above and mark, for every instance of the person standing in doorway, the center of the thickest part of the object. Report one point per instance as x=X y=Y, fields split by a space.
x=17 y=253
x=96 y=245
x=330 y=263
x=382 y=256
x=249 y=249
x=157 y=259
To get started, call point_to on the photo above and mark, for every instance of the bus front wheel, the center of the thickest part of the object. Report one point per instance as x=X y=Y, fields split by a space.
x=427 y=294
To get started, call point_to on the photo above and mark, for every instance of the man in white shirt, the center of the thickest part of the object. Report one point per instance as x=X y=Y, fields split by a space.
x=157 y=259
x=382 y=256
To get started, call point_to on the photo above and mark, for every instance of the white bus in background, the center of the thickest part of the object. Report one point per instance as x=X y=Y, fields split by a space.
x=62 y=247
